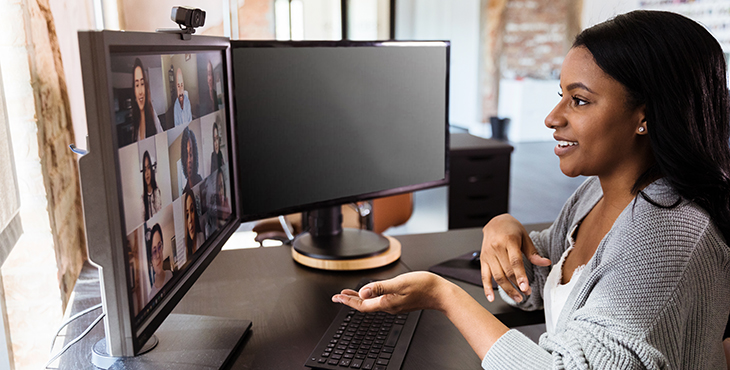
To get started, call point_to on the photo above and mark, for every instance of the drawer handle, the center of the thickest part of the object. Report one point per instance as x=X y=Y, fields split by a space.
x=475 y=179
x=481 y=158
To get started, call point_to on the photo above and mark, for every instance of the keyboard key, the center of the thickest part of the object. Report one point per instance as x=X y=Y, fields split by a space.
x=368 y=364
x=382 y=361
x=345 y=363
x=385 y=355
x=356 y=364
x=378 y=367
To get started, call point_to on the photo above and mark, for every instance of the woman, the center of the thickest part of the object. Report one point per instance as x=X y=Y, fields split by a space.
x=145 y=120
x=189 y=158
x=216 y=158
x=158 y=276
x=151 y=198
x=640 y=275
x=221 y=199
x=193 y=234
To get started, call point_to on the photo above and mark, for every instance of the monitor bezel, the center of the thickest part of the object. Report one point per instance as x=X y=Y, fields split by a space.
x=364 y=196
x=102 y=202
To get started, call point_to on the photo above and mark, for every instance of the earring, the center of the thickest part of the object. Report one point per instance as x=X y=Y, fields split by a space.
x=641 y=129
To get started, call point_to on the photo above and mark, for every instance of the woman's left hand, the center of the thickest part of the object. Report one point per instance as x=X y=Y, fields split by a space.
x=408 y=292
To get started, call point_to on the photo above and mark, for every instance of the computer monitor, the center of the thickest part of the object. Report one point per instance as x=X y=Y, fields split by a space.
x=322 y=123
x=159 y=179
x=174 y=165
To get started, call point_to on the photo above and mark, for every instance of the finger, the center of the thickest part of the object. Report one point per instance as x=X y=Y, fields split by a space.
x=518 y=266
x=506 y=263
x=487 y=281
x=501 y=278
x=381 y=288
x=348 y=292
x=528 y=248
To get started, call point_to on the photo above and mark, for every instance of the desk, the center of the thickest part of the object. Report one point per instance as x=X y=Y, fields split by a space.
x=290 y=305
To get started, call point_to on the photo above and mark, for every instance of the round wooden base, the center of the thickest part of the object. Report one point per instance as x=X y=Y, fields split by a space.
x=389 y=256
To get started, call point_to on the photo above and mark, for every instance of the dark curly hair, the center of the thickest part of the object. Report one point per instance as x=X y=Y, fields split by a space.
x=189 y=136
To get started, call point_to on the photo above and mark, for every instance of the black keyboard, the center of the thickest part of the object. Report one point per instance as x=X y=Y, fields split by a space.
x=367 y=341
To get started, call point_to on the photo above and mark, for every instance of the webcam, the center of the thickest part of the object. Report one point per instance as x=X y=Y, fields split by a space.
x=188 y=17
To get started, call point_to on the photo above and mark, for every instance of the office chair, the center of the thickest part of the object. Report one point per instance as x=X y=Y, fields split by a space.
x=376 y=215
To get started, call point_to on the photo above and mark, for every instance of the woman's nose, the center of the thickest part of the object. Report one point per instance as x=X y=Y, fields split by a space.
x=555 y=118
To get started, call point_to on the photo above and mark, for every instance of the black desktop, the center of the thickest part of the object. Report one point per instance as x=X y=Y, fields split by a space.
x=188 y=138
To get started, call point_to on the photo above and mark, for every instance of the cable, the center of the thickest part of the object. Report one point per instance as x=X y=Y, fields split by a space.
x=67 y=346
x=285 y=226
x=70 y=319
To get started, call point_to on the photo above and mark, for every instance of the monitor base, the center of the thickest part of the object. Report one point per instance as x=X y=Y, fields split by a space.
x=390 y=255
x=185 y=342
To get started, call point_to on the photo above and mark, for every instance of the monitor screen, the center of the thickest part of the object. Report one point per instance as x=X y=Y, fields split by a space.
x=324 y=123
x=173 y=165
x=160 y=152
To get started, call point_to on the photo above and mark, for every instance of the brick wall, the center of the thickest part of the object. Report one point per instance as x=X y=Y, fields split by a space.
x=524 y=39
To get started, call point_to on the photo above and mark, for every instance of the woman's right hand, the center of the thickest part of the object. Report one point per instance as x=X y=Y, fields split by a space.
x=505 y=241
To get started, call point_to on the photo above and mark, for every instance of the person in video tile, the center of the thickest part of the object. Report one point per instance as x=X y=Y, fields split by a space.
x=189 y=157
x=182 y=111
x=216 y=158
x=158 y=275
x=144 y=118
x=209 y=97
x=151 y=198
x=193 y=235
x=221 y=200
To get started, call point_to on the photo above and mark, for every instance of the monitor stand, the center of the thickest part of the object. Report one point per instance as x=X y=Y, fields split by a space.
x=184 y=342
x=328 y=246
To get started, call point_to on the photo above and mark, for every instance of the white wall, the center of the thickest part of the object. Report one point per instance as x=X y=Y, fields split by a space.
x=457 y=21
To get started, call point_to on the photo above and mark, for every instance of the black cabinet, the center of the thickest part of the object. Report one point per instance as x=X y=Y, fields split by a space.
x=479 y=180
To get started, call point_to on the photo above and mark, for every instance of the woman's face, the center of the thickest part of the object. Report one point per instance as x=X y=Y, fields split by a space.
x=597 y=132
x=147 y=167
x=157 y=253
x=190 y=217
x=139 y=90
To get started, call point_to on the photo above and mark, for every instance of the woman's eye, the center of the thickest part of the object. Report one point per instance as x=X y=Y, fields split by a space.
x=578 y=101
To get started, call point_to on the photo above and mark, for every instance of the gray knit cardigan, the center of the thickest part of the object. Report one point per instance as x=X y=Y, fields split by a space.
x=656 y=294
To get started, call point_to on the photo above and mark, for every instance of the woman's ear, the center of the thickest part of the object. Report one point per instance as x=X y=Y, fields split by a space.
x=642 y=127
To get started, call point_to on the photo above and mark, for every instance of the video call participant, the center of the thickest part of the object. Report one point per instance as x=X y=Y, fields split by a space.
x=193 y=235
x=145 y=120
x=633 y=274
x=209 y=97
x=221 y=199
x=189 y=158
x=182 y=111
x=216 y=157
x=158 y=275
x=151 y=193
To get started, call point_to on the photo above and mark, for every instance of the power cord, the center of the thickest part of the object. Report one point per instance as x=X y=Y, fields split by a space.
x=71 y=319
x=81 y=336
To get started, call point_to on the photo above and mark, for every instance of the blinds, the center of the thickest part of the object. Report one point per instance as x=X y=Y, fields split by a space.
x=10 y=227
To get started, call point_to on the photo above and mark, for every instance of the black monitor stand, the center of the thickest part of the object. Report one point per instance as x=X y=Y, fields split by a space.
x=327 y=245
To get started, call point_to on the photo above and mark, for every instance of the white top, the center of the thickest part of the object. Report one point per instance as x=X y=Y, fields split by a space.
x=556 y=294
